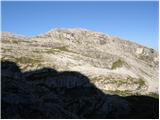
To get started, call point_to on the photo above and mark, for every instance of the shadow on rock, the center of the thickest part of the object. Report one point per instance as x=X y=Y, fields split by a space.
x=47 y=93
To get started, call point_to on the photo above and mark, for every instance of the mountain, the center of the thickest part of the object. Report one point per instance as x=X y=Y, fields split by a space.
x=80 y=73
x=111 y=63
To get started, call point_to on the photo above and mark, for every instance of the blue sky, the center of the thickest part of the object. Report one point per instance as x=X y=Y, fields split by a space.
x=135 y=21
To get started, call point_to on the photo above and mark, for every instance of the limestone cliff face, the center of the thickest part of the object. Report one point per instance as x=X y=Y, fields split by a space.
x=111 y=64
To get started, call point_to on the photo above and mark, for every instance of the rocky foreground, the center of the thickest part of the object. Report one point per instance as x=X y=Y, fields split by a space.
x=77 y=73
x=47 y=93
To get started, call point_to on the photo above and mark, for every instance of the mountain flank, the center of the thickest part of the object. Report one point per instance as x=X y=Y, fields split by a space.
x=77 y=73
x=112 y=64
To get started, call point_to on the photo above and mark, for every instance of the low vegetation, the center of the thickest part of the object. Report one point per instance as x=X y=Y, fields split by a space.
x=154 y=95
x=6 y=50
x=64 y=48
x=120 y=92
x=25 y=60
x=117 y=64
x=57 y=49
x=129 y=93
x=140 y=83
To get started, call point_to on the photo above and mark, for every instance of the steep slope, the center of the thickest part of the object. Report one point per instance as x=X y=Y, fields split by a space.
x=113 y=65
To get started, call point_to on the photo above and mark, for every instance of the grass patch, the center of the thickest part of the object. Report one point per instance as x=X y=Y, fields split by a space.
x=154 y=95
x=24 y=60
x=57 y=49
x=117 y=64
x=129 y=93
x=6 y=49
x=119 y=82
x=64 y=48
x=141 y=83
x=120 y=92
x=15 y=41
x=50 y=51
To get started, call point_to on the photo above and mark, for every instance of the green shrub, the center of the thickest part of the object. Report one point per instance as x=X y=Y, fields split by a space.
x=117 y=64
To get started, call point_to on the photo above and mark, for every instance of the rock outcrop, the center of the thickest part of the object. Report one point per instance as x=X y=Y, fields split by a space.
x=105 y=59
x=77 y=73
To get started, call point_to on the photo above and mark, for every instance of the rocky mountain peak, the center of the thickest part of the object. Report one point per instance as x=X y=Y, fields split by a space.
x=77 y=73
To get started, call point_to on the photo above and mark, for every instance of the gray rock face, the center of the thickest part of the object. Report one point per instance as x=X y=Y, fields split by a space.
x=110 y=62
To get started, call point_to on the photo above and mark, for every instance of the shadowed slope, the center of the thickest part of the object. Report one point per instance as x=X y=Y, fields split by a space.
x=47 y=93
